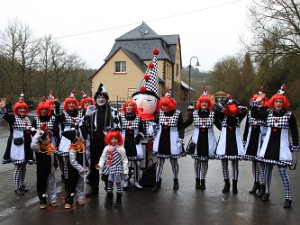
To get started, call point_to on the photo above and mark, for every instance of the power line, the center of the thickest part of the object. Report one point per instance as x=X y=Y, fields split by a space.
x=150 y=20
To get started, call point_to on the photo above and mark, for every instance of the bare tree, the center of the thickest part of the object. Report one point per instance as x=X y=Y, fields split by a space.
x=276 y=22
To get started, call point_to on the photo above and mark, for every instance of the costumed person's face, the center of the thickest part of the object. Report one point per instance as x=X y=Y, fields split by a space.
x=87 y=104
x=129 y=108
x=101 y=100
x=114 y=140
x=164 y=108
x=146 y=104
x=71 y=105
x=52 y=106
x=204 y=105
x=44 y=112
x=278 y=104
x=21 y=111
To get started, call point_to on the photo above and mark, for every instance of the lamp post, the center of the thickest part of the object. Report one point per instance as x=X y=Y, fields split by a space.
x=197 y=64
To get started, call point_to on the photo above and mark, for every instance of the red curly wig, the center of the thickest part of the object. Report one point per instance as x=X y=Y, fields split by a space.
x=204 y=98
x=84 y=100
x=43 y=105
x=70 y=99
x=285 y=100
x=232 y=109
x=111 y=134
x=18 y=105
x=169 y=102
x=135 y=109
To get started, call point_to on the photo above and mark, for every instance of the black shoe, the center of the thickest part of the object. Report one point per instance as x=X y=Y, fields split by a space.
x=118 y=202
x=265 y=197
x=202 y=184
x=226 y=186
x=175 y=184
x=287 y=204
x=234 y=187
x=156 y=186
x=256 y=186
x=92 y=193
x=19 y=192
x=197 y=186
x=262 y=190
x=109 y=199
x=24 y=189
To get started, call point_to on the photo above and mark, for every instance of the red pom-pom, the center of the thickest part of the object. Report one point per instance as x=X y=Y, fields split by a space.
x=143 y=89
x=155 y=51
x=147 y=77
x=151 y=65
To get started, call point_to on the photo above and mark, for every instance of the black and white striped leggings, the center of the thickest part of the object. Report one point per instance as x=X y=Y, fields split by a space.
x=160 y=165
x=258 y=171
x=19 y=175
x=235 y=169
x=201 y=167
x=285 y=178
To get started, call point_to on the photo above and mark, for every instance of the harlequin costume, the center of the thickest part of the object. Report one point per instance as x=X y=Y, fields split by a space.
x=69 y=119
x=168 y=139
x=114 y=164
x=77 y=169
x=101 y=118
x=230 y=145
x=254 y=133
x=276 y=149
x=203 y=143
x=132 y=132
x=18 y=149
x=45 y=166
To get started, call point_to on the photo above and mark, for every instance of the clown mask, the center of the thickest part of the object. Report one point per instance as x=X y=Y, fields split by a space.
x=146 y=104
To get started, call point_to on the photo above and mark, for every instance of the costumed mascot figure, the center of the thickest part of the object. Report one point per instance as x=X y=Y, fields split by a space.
x=147 y=97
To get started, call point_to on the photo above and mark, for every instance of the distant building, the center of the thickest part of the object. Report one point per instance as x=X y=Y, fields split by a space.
x=125 y=65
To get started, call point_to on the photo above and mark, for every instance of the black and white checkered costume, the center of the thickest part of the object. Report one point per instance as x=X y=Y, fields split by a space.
x=275 y=148
x=169 y=126
x=21 y=154
x=203 y=136
x=131 y=127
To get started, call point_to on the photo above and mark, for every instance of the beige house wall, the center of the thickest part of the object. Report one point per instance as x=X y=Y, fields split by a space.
x=118 y=84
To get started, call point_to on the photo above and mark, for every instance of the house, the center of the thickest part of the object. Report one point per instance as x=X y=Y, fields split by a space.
x=125 y=65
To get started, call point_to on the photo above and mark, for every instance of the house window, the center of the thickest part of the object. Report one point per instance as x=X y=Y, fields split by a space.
x=120 y=67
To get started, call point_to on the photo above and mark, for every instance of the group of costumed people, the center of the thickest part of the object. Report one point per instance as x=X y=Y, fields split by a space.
x=96 y=141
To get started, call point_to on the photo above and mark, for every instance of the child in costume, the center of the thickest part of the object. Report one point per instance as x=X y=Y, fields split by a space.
x=45 y=166
x=114 y=164
x=77 y=169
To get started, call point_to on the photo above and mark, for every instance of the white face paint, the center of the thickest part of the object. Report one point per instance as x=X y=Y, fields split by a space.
x=146 y=103
x=101 y=100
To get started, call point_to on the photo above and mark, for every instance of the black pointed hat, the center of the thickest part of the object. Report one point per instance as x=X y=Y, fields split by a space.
x=101 y=91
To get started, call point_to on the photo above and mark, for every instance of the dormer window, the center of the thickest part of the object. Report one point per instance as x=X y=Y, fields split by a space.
x=120 y=67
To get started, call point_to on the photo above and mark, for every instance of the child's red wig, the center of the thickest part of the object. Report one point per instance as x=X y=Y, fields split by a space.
x=115 y=134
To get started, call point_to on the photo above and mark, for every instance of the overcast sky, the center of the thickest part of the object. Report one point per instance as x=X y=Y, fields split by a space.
x=209 y=30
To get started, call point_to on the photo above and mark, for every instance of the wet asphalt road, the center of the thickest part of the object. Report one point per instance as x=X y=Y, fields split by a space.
x=186 y=206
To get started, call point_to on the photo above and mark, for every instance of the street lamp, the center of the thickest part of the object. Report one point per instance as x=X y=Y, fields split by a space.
x=197 y=64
